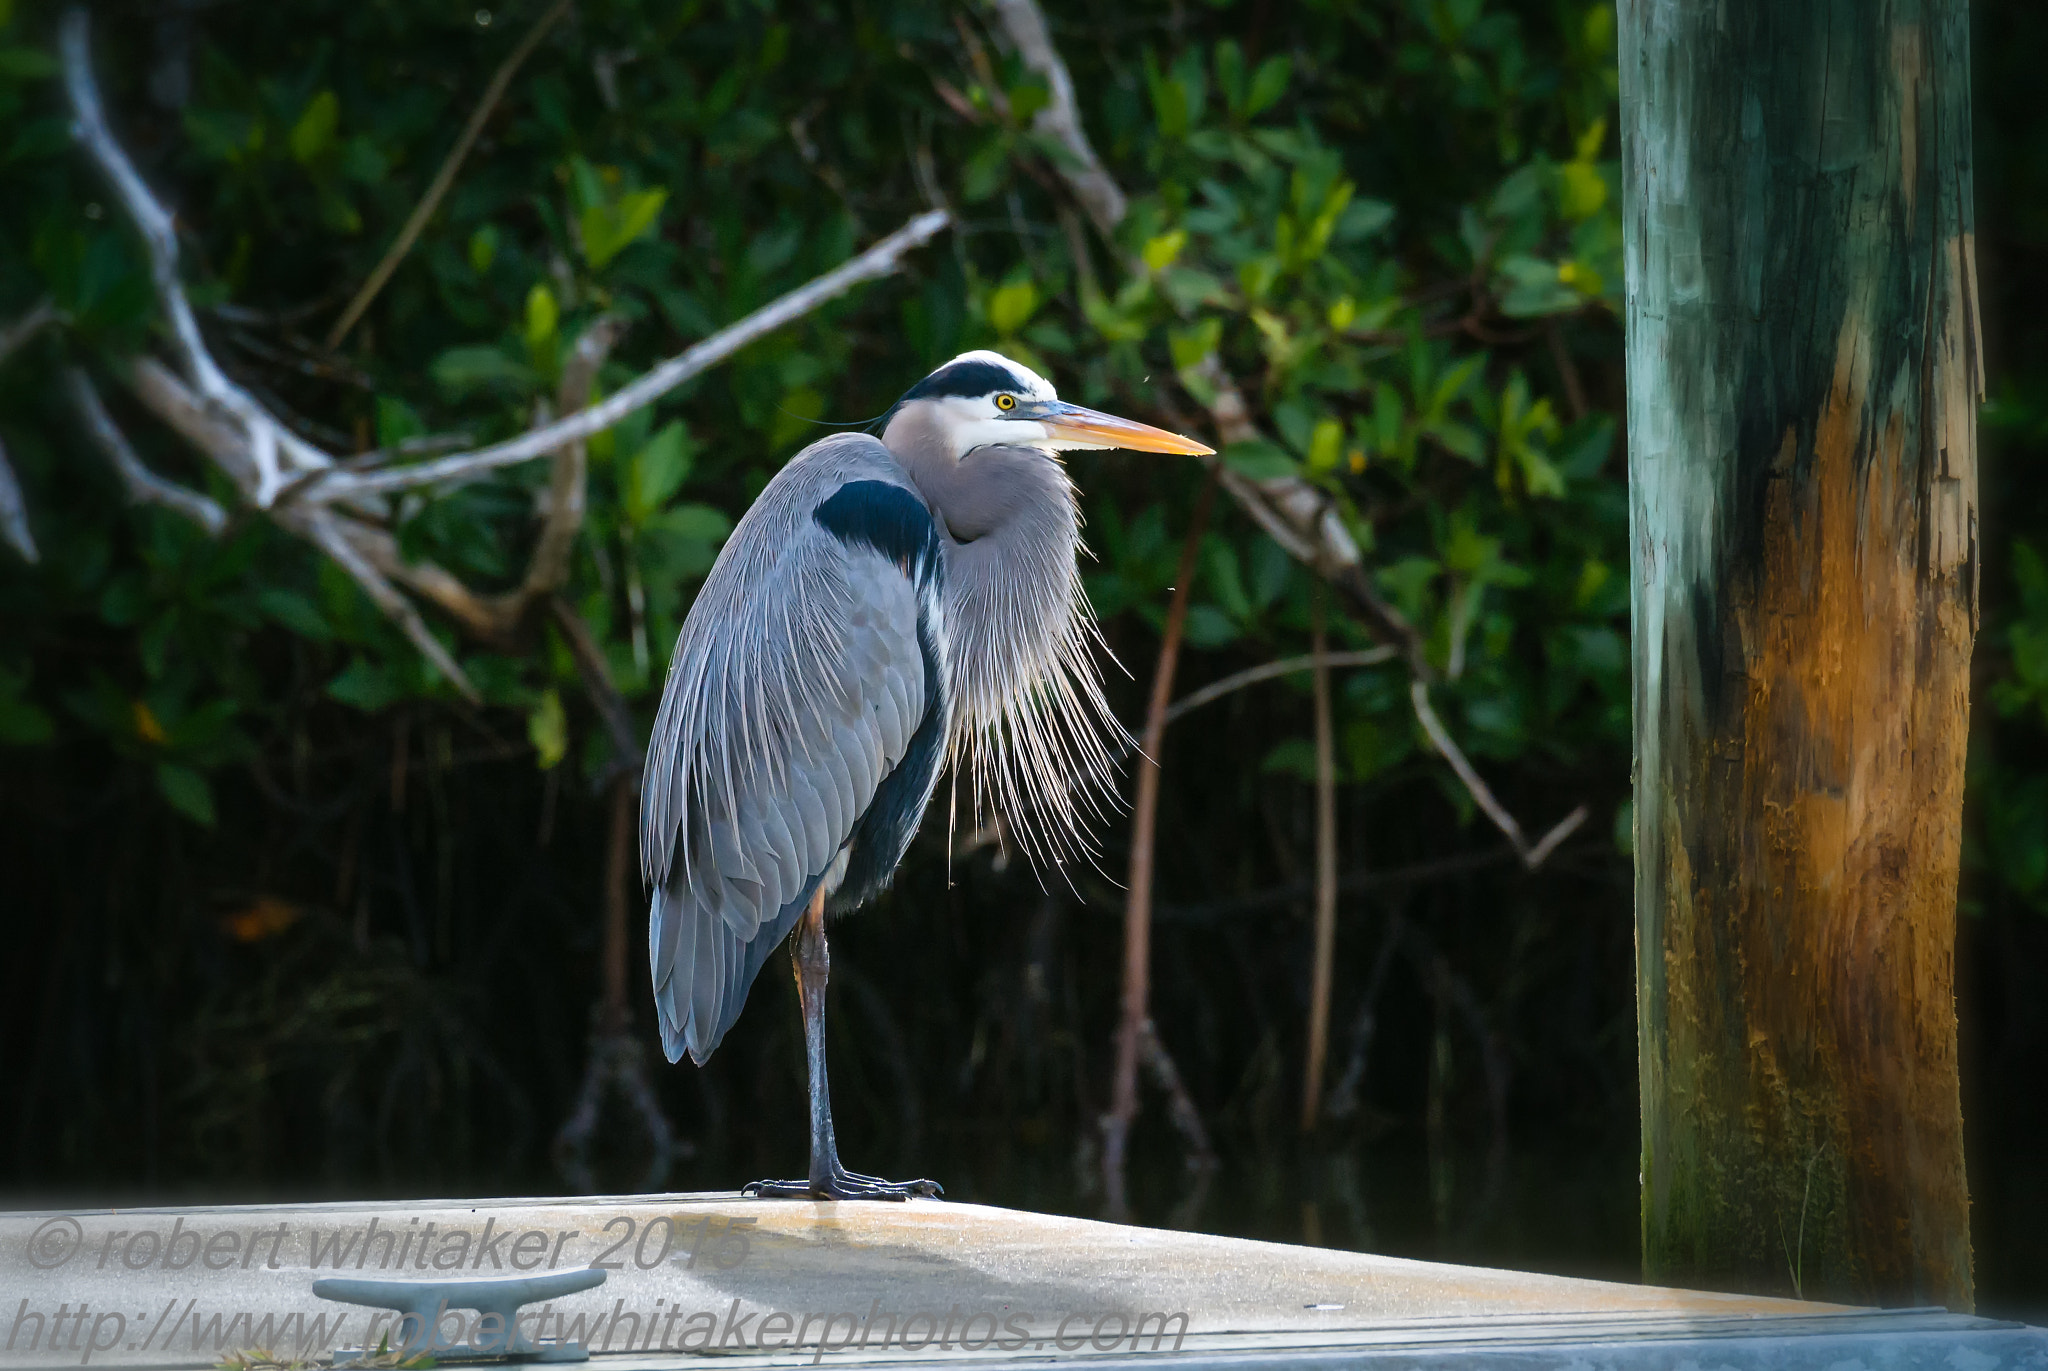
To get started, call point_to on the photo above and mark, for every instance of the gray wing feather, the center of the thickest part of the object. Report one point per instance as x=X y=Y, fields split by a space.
x=796 y=686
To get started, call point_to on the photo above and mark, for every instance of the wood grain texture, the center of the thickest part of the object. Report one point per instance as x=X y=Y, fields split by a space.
x=1804 y=370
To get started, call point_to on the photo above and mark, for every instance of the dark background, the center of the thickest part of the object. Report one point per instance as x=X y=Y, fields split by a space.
x=366 y=964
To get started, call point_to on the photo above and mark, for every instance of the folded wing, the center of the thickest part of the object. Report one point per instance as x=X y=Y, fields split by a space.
x=802 y=681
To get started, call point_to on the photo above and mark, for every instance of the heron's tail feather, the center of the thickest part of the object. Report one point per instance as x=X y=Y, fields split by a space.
x=702 y=972
x=662 y=927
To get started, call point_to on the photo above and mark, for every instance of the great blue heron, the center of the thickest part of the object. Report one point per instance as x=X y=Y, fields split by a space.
x=885 y=605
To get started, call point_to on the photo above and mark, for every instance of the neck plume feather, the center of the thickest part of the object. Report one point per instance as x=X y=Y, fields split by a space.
x=1032 y=732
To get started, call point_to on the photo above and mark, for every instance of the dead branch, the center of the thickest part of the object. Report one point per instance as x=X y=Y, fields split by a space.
x=272 y=446
x=324 y=530
x=165 y=395
x=1059 y=119
x=445 y=177
x=432 y=582
x=1286 y=666
x=13 y=336
x=1547 y=844
x=1532 y=854
x=1304 y=520
x=1180 y=1106
x=549 y=567
x=144 y=486
x=495 y=618
x=880 y=260
x=306 y=490
x=1297 y=515
x=14 y=513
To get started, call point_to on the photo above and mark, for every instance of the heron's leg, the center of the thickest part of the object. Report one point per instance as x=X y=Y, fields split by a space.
x=829 y=1180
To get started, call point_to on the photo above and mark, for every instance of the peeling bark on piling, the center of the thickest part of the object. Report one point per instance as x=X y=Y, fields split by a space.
x=1804 y=370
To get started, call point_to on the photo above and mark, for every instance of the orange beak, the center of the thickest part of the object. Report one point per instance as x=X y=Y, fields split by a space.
x=1092 y=428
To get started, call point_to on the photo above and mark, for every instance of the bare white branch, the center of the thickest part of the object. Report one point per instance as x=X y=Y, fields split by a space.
x=328 y=533
x=1059 y=119
x=14 y=527
x=549 y=565
x=297 y=482
x=1314 y=530
x=13 y=335
x=1547 y=844
x=14 y=513
x=1440 y=738
x=1286 y=666
x=164 y=393
x=272 y=446
x=144 y=485
x=479 y=614
x=1532 y=855
x=880 y=260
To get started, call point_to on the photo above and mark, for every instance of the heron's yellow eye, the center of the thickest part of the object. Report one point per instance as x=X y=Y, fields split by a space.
x=1006 y=402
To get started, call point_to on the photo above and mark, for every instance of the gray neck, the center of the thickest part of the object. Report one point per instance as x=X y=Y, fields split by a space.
x=1006 y=493
x=1027 y=701
x=1009 y=529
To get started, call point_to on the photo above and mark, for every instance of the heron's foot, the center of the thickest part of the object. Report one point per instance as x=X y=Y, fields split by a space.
x=841 y=1184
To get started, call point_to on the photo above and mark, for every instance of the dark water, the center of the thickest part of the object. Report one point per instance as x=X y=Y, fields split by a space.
x=1565 y=1210
x=1572 y=1213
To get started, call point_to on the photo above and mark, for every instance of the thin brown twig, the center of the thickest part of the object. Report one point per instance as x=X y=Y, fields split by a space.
x=445 y=177
x=1286 y=666
x=1567 y=371
x=954 y=99
x=1323 y=970
x=320 y=368
x=1116 y=1125
x=984 y=70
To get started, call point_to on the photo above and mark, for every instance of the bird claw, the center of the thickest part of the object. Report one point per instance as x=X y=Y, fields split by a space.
x=843 y=1185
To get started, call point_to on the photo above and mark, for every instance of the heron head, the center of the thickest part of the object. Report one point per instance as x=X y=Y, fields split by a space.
x=983 y=399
